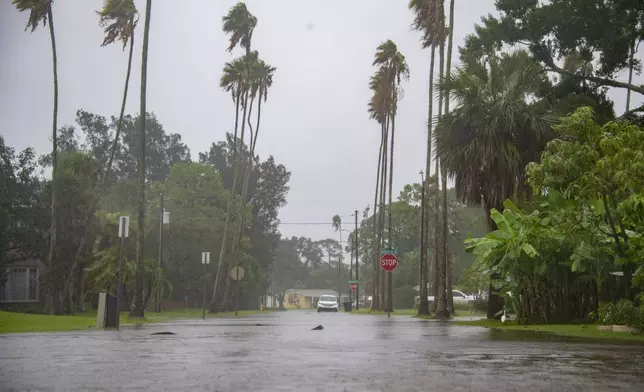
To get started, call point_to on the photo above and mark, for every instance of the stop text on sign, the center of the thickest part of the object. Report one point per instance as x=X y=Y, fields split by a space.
x=388 y=262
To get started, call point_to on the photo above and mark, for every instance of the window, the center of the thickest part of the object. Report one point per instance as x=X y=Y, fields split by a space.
x=21 y=285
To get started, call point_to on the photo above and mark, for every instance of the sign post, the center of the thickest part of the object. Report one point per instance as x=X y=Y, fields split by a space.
x=389 y=263
x=205 y=260
x=124 y=232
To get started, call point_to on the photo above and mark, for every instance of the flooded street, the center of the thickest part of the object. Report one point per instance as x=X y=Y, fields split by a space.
x=279 y=352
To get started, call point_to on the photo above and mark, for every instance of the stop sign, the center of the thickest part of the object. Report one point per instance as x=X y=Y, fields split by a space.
x=388 y=262
x=353 y=286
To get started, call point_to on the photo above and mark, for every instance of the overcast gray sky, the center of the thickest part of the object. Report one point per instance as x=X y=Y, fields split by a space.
x=315 y=121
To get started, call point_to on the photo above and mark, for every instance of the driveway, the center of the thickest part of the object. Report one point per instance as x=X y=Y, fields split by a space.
x=279 y=352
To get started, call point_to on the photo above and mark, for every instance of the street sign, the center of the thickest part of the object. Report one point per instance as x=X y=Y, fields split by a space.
x=388 y=251
x=353 y=286
x=237 y=273
x=389 y=262
x=124 y=226
x=205 y=257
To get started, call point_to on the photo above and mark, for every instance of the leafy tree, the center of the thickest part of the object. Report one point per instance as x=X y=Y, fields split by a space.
x=21 y=207
x=40 y=11
x=558 y=29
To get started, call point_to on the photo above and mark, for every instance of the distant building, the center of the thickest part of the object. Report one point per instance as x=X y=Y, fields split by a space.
x=22 y=284
x=305 y=298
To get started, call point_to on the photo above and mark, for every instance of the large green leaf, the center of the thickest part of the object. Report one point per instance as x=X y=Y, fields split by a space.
x=529 y=250
x=501 y=222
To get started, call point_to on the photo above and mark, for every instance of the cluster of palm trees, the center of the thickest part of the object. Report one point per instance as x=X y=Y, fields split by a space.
x=385 y=84
x=484 y=144
x=119 y=18
x=248 y=78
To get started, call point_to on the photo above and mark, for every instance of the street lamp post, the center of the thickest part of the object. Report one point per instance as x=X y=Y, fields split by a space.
x=124 y=223
x=357 y=246
x=164 y=219
x=205 y=260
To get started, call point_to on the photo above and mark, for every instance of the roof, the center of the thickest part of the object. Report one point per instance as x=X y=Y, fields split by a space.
x=312 y=292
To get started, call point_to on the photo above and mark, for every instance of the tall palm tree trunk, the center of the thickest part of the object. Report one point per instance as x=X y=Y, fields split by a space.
x=375 y=300
x=231 y=197
x=248 y=172
x=383 y=189
x=444 y=238
x=424 y=303
x=70 y=281
x=441 y=299
x=51 y=308
x=137 y=301
x=390 y=243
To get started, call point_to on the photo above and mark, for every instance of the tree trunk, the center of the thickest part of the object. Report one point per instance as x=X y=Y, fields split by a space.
x=390 y=244
x=445 y=221
x=375 y=303
x=383 y=189
x=137 y=302
x=424 y=304
x=54 y=157
x=231 y=197
x=441 y=300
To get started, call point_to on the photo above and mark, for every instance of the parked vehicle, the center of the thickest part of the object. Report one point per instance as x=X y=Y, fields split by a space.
x=328 y=303
x=459 y=298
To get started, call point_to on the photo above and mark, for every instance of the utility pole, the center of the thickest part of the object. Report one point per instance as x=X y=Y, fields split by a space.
x=339 y=269
x=356 y=245
x=351 y=270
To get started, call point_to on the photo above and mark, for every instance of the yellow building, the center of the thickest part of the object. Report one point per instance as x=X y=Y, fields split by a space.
x=305 y=298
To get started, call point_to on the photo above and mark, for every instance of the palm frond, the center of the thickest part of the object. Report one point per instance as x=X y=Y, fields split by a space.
x=38 y=11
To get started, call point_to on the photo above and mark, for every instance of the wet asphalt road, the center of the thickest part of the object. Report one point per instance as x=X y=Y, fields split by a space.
x=352 y=353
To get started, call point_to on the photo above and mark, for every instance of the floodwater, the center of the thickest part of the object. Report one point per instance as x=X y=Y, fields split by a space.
x=352 y=353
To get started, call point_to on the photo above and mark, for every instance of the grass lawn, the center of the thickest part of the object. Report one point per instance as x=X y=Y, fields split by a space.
x=573 y=330
x=23 y=322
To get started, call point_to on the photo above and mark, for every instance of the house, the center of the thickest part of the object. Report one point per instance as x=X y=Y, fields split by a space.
x=305 y=298
x=22 y=284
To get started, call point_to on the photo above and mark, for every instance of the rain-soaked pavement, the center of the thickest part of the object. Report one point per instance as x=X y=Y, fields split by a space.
x=352 y=353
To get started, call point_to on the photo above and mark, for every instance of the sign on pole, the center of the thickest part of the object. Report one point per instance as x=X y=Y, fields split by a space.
x=353 y=285
x=205 y=257
x=389 y=262
x=124 y=226
x=237 y=273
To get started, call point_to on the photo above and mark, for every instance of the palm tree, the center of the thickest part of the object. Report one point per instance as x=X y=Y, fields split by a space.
x=119 y=19
x=378 y=110
x=261 y=79
x=395 y=69
x=137 y=301
x=239 y=24
x=425 y=21
x=40 y=12
x=487 y=140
